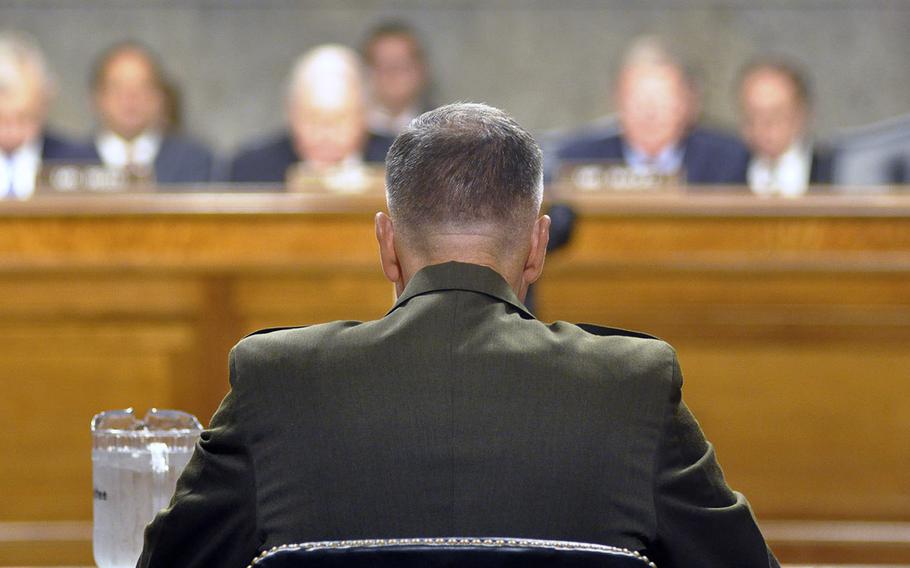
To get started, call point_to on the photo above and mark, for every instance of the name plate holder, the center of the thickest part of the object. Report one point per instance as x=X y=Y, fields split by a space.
x=64 y=178
x=357 y=179
x=612 y=177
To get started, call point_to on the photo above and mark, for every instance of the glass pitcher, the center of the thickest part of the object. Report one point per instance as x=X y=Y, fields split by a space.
x=135 y=466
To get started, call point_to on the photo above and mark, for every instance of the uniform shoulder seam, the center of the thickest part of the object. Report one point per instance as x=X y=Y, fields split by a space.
x=268 y=330
x=614 y=331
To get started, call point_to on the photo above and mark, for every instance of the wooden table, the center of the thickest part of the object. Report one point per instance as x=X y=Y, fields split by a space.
x=791 y=319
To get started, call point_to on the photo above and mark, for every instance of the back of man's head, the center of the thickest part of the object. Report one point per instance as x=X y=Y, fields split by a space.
x=467 y=169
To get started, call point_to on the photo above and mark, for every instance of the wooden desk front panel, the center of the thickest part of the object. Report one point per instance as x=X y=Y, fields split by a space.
x=806 y=398
x=792 y=332
x=72 y=344
x=794 y=337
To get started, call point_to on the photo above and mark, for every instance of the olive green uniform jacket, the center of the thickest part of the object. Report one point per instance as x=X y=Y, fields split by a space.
x=457 y=414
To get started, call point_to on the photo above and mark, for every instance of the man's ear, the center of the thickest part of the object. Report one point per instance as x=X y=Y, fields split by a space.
x=388 y=257
x=540 y=236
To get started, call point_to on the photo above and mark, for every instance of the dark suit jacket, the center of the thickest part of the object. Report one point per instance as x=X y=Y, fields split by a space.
x=709 y=157
x=268 y=161
x=456 y=414
x=57 y=148
x=180 y=160
x=821 y=172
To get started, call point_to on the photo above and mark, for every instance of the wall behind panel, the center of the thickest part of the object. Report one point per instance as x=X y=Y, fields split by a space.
x=549 y=62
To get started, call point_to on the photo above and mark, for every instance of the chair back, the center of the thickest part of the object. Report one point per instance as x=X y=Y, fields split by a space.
x=449 y=553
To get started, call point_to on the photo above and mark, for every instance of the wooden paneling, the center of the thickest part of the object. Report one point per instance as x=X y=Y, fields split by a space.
x=686 y=302
x=55 y=376
x=839 y=542
x=807 y=430
x=290 y=299
x=792 y=329
x=791 y=320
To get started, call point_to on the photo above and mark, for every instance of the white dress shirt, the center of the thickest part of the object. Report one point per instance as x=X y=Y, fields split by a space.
x=117 y=152
x=668 y=162
x=787 y=176
x=19 y=170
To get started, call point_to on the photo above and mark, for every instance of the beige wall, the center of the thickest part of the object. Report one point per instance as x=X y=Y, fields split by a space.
x=548 y=62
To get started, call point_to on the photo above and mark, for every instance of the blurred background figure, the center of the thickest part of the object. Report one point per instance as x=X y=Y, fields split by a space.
x=397 y=73
x=26 y=89
x=326 y=111
x=135 y=107
x=874 y=155
x=173 y=107
x=657 y=107
x=776 y=108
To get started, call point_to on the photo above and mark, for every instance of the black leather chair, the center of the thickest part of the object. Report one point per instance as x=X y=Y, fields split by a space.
x=449 y=553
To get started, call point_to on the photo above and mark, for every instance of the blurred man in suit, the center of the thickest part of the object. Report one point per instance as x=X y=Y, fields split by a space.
x=326 y=118
x=129 y=93
x=26 y=90
x=776 y=108
x=458 y=413
x=397 y=74
x=657 y=106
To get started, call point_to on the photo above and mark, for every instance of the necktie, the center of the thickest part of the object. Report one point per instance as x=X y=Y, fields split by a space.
x=131 y=168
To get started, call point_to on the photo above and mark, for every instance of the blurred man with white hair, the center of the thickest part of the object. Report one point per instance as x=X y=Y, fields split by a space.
x=657 y=107
x=26 y=90
x=326 y=121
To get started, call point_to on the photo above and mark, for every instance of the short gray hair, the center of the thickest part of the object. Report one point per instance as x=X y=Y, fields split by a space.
x=464 y=165
x=19 y=56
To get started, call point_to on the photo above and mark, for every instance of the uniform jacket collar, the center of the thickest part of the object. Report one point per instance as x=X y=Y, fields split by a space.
x=461 y=276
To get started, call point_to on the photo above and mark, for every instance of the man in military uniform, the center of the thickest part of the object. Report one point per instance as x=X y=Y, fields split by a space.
x=458 y=413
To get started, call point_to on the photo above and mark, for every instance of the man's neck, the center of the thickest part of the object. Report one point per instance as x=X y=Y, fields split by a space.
x=117 y=151
x=395 y=110
x=390 y=121
x=130 y=137
x=667 y=160
x=796 y=149
x=470 y=249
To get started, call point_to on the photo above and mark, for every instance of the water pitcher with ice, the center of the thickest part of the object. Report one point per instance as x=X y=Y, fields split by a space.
x=135 y=466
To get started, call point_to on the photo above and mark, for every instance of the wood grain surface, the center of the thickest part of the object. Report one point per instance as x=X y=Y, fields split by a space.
x=791 y=320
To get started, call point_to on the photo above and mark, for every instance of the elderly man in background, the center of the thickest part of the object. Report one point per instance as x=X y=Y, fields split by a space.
x=326 y=117
x=397 y=73
x=26 y=89
x=657 y=109
x=129 y=93
x=776 y=107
